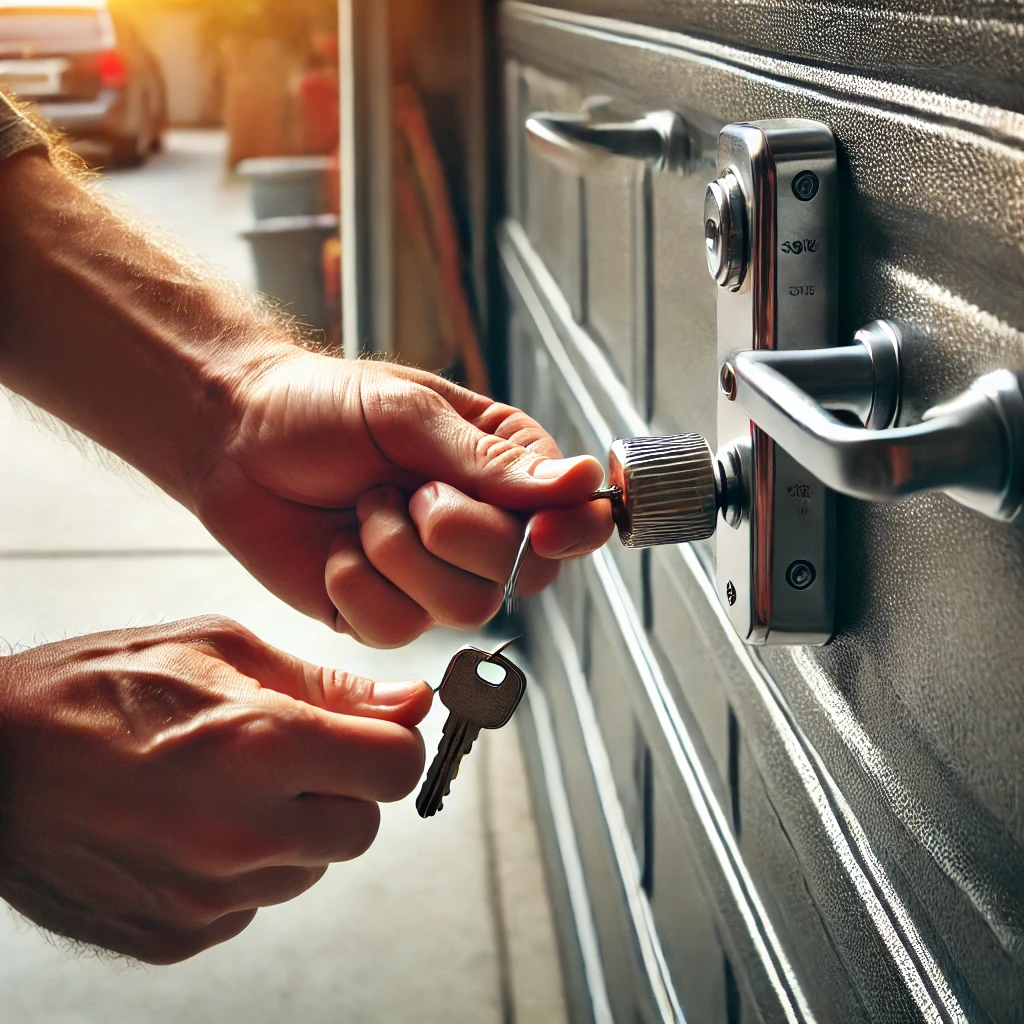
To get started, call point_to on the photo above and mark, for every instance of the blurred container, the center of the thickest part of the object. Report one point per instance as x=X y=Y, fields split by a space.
x=288 y=255
x=287 y=186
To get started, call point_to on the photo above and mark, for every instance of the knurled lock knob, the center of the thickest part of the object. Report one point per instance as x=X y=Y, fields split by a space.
x=670 y=490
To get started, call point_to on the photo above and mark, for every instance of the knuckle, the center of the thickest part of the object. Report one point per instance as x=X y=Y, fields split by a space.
x=253 y=738
x=439 y=530
x=492 y=450
x=423 y=402
x=390 y=632
x=357 y=689
x=344 y=569
x=473 y=610
x=222 y=634
x=394 y=401
x=194 y=909
x=215 y=626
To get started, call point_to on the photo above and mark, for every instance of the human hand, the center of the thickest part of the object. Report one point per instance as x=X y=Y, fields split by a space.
x=162 y=784
x=382 y=499
x=379 y=499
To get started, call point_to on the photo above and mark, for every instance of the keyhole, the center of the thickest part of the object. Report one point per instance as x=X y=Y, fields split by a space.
x=491 y=673
x=711 y=232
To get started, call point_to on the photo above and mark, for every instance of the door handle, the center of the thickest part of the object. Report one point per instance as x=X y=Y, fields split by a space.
x=798 y=417
x=573 y=141
x=971 y=448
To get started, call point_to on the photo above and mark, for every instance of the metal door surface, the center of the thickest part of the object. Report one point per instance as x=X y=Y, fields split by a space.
x=739 y=833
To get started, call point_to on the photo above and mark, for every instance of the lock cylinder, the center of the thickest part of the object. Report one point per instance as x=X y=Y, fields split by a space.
x=672 y=489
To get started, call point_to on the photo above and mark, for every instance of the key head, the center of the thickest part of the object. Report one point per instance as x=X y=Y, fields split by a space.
x=487 y=705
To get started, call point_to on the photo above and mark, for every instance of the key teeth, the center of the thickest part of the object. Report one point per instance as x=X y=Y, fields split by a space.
x=426 y=808
x=427 y=805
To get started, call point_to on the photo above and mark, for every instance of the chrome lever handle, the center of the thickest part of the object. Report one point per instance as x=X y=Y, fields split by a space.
x=972 y=448
x=571 y=141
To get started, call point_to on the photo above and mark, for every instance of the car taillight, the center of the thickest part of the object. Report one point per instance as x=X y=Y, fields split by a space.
x=113 y=69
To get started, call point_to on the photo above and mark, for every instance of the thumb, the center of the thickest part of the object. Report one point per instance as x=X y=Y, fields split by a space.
x=419 y=430
x=404 y=703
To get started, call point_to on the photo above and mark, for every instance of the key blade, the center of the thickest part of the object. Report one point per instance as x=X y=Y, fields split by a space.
x=438 y=780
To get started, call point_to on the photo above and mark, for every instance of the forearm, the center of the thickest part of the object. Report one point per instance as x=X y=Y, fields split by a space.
x=117 y=334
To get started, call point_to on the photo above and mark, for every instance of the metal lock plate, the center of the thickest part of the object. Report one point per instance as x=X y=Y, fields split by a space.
x=774 y=252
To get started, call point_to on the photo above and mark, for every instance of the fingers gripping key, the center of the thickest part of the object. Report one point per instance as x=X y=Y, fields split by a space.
x=473 y=704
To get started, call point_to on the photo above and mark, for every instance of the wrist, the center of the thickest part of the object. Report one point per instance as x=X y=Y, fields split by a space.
x=227 y=379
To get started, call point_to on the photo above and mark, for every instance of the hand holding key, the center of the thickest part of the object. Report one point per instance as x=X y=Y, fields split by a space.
x=385 y=500
x=161 y=784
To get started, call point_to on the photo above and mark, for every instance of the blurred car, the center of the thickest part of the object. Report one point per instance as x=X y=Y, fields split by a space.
x=85 y=70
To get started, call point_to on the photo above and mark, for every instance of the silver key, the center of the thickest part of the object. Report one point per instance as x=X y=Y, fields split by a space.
x=473 y=704
x=511 y=601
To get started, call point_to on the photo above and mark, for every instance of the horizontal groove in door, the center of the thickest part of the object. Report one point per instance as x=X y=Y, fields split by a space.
x=556 y=797
x=999 y=116
x=562 y=660
x=967 y=49
x=939 y=802
x=953 y=223
x=899 y=962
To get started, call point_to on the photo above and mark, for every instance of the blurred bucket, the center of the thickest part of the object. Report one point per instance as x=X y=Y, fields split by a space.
x=287 y=186
x=288 y=256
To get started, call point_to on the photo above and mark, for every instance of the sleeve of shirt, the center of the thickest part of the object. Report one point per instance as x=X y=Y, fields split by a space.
x=17 y=132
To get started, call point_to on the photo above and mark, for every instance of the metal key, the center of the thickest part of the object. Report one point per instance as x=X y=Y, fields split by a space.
x=612 y=494
x=473 y=704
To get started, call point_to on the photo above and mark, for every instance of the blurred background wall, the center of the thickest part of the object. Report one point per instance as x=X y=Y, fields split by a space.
x=176 y=33
x=265 y=69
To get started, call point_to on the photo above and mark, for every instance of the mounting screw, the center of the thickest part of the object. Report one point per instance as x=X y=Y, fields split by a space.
x=730 y=593
x=800 y=575
x=805 y=186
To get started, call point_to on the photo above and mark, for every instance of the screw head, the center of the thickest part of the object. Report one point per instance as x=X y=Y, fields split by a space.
x=805 y=186
x=800 y=575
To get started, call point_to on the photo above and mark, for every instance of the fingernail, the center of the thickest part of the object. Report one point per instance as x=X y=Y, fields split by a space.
x=552 y=469
x=390 y=695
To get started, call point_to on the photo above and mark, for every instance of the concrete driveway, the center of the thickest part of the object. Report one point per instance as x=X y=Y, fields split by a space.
x=445 y=920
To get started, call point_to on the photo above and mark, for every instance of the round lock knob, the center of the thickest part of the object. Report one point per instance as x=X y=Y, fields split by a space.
x=725 y=231
x=670 y=489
